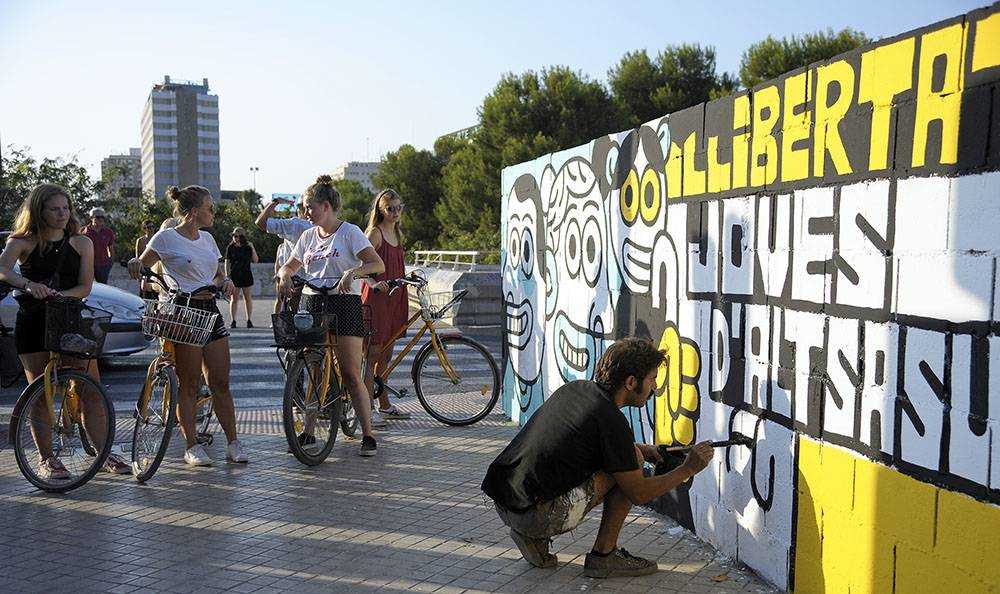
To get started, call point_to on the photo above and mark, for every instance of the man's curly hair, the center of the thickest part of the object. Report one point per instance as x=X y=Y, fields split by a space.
x=629 y=356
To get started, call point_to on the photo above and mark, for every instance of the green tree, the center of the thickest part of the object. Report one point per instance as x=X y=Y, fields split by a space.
x=681 y=76
x=772 y=57
x=355 y=201
x=525 y=116
x=416 y=175
x=20 y=172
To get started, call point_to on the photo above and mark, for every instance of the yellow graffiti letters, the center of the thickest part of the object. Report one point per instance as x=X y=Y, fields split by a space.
x=886 y=72
x=676 y=405
x=766 y=103
x=943 y=104
x=828 y=116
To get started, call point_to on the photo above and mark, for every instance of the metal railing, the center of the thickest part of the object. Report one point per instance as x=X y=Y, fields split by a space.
x=446 y=258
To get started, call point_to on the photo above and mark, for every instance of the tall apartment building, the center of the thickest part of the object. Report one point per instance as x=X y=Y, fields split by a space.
x=358 y=171
x=180 y=137
x=122 y=175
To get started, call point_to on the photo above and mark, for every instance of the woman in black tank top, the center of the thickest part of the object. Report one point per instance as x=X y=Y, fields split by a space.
x=55 y=260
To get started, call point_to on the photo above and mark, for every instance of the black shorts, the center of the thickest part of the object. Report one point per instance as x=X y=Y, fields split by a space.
x=347 y=308
x=29 y=331
x=219 y=329
x=242 y=279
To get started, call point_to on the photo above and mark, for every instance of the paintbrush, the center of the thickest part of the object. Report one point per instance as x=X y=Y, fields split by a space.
x=735 y=439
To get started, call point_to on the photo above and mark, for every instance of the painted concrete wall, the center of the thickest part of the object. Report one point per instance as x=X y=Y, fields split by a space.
x=818 y=256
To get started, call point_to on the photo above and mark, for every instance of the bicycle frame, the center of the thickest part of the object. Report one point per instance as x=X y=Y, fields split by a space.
x=435 y=343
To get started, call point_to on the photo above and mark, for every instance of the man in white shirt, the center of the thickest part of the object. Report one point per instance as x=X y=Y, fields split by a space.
x=288 y=230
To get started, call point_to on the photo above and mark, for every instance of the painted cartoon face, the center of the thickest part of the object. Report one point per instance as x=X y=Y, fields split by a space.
x=582 y=317
x=637 y=200
x=524 y=288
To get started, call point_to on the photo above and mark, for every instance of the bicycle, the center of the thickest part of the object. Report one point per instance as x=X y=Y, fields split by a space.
x=155 y=412
x=59 y=413
x=314 y=401
x=349 y=421
x=456 y=359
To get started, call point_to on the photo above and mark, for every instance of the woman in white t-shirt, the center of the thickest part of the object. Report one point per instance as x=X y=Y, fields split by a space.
x=190 y=258
x=337 y=249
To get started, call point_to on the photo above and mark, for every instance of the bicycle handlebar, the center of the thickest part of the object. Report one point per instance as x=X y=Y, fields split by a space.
x=161 y=279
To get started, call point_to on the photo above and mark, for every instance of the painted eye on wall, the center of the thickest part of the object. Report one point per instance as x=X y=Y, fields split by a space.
x=513 y=252
x=572 y=248
x=527 y=252
x=649 y=206
x=592 y=248
x=628 y=197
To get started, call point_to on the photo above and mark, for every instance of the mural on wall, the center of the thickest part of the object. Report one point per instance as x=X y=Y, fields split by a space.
x=817 y=258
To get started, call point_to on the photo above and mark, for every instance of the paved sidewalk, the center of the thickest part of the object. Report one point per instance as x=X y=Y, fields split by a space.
x=410 y=519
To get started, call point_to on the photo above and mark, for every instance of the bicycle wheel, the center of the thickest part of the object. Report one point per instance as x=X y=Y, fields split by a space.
x=310 y=426
x=349 y=421
x=203 y=418
x=78 y=401
x=471 y=396
x=154 y=425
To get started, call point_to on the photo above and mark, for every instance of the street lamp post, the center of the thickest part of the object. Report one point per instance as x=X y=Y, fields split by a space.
x=253 y=178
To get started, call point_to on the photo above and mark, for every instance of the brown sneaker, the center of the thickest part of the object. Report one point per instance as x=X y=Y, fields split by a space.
x=115 y=465
x=617 y=563
x=534 y=550
x=52 y=469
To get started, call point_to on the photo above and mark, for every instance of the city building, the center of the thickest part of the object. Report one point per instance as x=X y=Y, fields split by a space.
x=122 y=175
x=180 y=137
x=358 y=171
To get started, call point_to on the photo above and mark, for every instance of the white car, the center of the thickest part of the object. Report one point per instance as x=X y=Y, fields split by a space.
x=125 y=335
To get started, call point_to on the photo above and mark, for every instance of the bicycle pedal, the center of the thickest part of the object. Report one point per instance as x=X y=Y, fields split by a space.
x=402 y=393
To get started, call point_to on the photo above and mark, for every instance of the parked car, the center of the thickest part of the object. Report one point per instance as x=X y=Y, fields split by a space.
x=125 y=335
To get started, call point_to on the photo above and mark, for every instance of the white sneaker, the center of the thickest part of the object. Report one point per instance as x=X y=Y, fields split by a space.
x=235 y=453
x=378 y=421
x=197 y=456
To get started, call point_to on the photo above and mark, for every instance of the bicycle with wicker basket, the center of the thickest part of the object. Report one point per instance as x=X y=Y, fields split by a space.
x=456 y=379
x=173 y=321
x=65 y=414
x=315 y=401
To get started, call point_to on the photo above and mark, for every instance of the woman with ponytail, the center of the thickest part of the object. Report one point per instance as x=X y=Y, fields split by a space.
x=190 y=257
x=337 y=249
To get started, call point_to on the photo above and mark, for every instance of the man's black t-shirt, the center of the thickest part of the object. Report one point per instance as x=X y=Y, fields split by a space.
x=578 y=431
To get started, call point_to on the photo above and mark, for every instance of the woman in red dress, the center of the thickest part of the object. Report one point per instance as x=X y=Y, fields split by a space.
x=389 y=312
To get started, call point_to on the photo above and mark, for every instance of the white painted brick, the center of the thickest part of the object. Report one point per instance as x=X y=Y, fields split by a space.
x=810 y=204
x=994 y=431
x=781 y=397
x=922 y=449
x=843 y=340
x=702 y=278
x=713 y=420
x=873 y=289
x=756 y=372
x=994 y=384
x=719 y=364
x=974 y=209
x=775 y=266
x=806 y=330
x=779 y=442
x=879 y=394
x=922 y=215
x=716 y=526
x=767 y=555
x=870 y=200
x=705 y=484
x=738 y=215
x=949 y=287
x=751 y=519
x=968 y=452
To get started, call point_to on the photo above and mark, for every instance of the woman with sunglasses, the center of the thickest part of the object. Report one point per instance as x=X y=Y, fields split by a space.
x=389 y=312
x=190 y=259
x=337 y=249
x=240 y=254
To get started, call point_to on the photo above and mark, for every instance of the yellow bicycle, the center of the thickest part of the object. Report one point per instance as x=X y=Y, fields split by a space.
x=65 y=414
x=456 y=378
x=172 y=321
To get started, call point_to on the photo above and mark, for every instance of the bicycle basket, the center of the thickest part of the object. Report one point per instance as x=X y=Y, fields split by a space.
x=436 y=305
x=294 y=330
x=177 y=323
x=74 y=328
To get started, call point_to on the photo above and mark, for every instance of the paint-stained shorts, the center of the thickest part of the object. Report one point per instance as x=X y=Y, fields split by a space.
x=549 y=518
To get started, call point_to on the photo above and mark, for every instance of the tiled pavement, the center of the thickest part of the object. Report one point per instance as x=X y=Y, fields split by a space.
x=410 y=519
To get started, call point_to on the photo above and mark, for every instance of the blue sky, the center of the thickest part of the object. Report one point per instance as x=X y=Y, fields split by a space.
x=305 y=86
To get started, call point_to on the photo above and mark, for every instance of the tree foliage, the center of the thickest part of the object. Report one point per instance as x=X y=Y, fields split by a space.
x=680 y=76
x=355 y=201
x=20 y=172
x=772 y=57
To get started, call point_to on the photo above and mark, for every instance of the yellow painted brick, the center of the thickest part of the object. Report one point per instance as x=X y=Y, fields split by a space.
x=837 y=479
x=968 y=535
x=893 y=503
x=838 y=551
x=809 y=519
x=869 y=561
x=918 y=573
